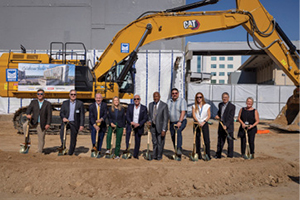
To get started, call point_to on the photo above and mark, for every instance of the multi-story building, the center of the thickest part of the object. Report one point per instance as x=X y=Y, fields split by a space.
x=219 y=67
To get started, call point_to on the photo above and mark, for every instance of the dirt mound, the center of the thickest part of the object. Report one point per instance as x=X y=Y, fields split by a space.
x=85 y=177
x=273 y=174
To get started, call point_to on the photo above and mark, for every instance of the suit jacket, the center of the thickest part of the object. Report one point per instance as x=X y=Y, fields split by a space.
x=119 y=120
x=45 y=113
x=143 y=118
x=162 y=116
x=228 y=116
x=93 y=114
x=78 y=112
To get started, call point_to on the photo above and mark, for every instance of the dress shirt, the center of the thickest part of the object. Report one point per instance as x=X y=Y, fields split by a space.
x=72 y=111
x=136 y=113
x=40 y=104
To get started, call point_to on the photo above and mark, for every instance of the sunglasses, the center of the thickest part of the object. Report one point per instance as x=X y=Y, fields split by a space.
x=174 y=93
x=73 y=94
x=40 y=94
x=199 y=97
x=136 y=99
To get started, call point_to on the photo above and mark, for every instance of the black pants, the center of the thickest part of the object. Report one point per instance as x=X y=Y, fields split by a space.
x=221 y=141
x=205 y=132
x=251 y=138
x=137 y=141
x=73 y=136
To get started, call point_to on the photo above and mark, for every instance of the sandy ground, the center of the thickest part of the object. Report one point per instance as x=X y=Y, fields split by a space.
x=273 y=174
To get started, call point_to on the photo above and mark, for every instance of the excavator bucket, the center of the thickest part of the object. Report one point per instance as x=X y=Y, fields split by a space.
x=289 y=117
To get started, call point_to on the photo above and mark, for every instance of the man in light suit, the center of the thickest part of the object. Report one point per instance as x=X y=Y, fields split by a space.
x=39 y=112
x=158 y=121
x=226 y=116
x=72 y=111
x=97 y=120
x=136 y=116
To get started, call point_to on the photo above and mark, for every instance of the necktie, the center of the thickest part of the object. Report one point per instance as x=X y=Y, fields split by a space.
x=98 y=114
x=154 y=113
x=222 y=111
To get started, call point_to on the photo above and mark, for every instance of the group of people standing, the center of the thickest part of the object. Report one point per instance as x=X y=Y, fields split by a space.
x=158 y=117
x=248 y=118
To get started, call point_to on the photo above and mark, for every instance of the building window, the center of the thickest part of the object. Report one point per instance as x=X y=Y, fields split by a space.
x=221 y=81
x=221 y=66
x=213 y=66
x=213 y=58
x=213 y=81
x=230 y=58
x=228 y=73
x=230 y=66
x=198 y=64
x=221 y=58
x=221 y=73
x=213 y=73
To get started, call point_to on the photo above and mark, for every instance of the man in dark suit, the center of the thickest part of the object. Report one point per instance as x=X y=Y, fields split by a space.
x=136 y=116
x=97 y=116
x=158 y=121
x=72 y=111
x=226 y=115
x=39 y=112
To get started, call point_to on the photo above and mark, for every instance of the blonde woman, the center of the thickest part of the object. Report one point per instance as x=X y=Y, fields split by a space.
x=116 y=118
x=248 y=118
x=201 y=114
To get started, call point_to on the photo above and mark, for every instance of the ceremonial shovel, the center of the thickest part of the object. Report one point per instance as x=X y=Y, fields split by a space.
x=247 y=143
x=25 y=147
x=96 y=153
x=63 y=151
x=175 y=156
x=227 y=134
x=127 y=154
x=147 y=154
x=194 y=156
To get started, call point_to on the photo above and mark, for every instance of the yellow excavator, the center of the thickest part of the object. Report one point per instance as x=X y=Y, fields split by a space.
x=112 y=75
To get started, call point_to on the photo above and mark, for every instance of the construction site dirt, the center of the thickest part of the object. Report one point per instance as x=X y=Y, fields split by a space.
x=273 y=174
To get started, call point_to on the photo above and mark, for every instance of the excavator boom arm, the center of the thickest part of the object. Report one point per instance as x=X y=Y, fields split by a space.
x=168 y=25
x=268 y=34
x=164 y=26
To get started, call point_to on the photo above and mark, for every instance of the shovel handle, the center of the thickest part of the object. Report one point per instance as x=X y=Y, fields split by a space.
x=27 y=130
x=148 y=142
x=130 y=138
x=97 y=133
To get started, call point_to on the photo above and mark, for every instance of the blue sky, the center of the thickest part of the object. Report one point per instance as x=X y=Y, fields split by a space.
x=285 y=12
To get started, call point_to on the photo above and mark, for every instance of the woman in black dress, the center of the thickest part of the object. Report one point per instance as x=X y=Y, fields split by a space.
x=248 y=117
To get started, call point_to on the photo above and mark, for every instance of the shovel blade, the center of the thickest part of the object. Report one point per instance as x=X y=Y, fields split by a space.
x=194 y=157
x=247 y=156
x=230 y=138
x=127 y=155
x=148 y=156
x=24 y=149
x=175 y=157
x=109 y=156
x=62 y=152
x=206 y=158
x=95 y=154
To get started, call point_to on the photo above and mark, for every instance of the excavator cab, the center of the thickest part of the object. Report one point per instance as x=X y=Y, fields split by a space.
x=122 y=73
x=63 y=53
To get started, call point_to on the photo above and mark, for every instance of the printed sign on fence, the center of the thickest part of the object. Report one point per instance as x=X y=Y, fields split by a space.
x=49 y=77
